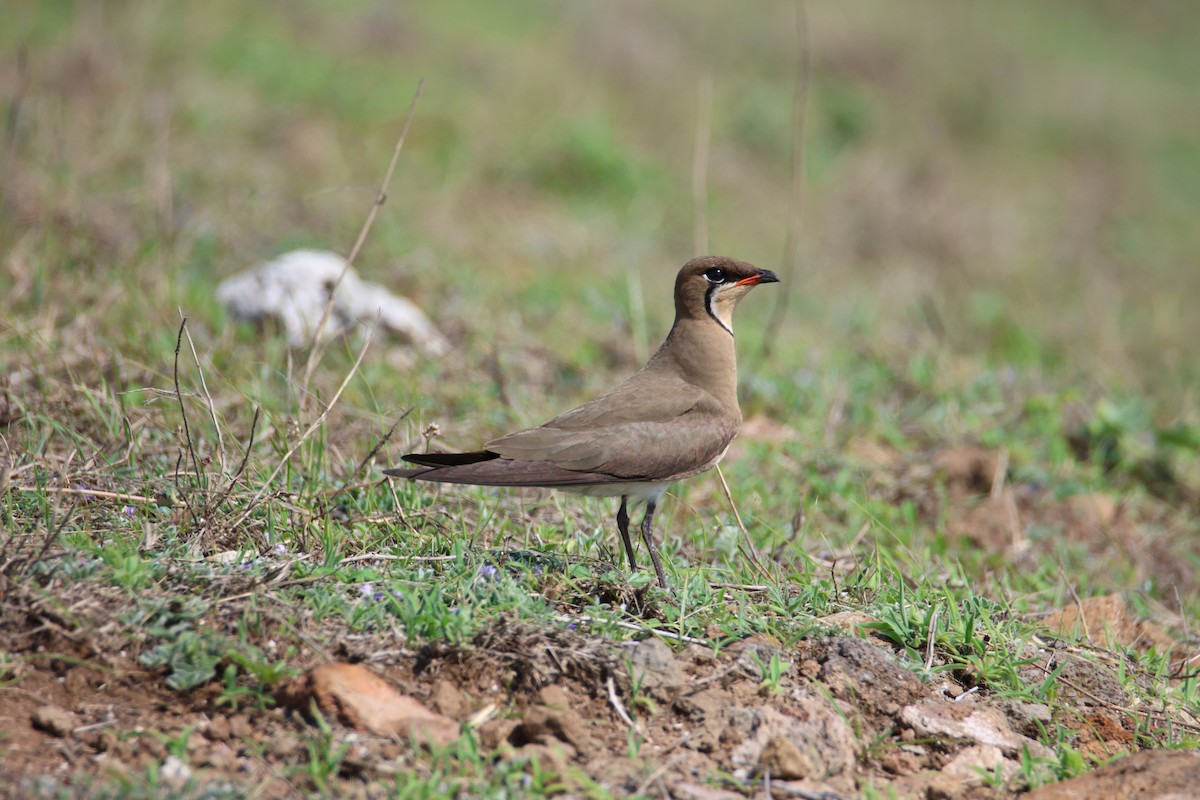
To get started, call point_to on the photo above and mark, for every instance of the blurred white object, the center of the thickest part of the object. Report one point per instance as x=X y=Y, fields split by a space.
x=295 y=287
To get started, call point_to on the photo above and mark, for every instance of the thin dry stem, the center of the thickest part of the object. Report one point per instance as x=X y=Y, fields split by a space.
x=744 y=544
x=700 y=166
x=212 y=408
x=791 y=245
x=316 y=424
x=380 y=198
x=133 y=498
x=187 y=433
x=615 y=702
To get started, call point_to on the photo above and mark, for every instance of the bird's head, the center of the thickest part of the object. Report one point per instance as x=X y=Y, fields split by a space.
x=709 y=287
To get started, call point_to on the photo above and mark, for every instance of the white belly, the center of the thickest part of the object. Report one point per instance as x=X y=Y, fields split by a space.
x=635 y=490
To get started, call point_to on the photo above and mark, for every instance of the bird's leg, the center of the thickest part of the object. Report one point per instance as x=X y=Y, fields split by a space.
x=623 y=527
x=648 y=537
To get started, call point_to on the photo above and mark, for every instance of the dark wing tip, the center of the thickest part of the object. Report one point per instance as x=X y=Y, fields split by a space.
x=449 y=459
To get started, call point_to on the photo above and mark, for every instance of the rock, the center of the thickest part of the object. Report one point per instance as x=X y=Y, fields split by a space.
x=294 y=290
x=174 y=773
x=1026 y=718
x=555 y=697
x=761 y=646
x=218 y=729
x=1148 y=775
x=781 y=758
x=81 y=680
x=1079 y=683
x=967 y=763
x=1106 y=620
x=364 y=701
x=552 y=758
x=545 y=725
x=220 y=757
x=653 y=665
x=495 y=732
x=103 y=741
x=54 y=721
x=695 y=791
x=739 y=723
x=975 y=723
x=699 y=656
x=816 y=731
x=859 y=672
x=153 y=745
x=925 y=786
x=448 y=699
x=284 y=745
x=239 y=726
x=706 y=712
x=619 y=775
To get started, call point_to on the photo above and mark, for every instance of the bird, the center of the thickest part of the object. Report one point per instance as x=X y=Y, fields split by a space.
x=671 y=420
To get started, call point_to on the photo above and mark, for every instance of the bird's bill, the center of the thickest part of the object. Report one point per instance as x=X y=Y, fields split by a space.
x=762 y=276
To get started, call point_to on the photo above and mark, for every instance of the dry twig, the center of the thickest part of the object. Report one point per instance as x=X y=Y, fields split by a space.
x=380 y=198
x=791 y=246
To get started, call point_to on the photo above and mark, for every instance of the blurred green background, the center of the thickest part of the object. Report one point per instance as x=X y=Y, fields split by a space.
x=1028 y=172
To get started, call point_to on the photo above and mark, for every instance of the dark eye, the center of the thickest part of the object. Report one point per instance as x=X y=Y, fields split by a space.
x=715 y=275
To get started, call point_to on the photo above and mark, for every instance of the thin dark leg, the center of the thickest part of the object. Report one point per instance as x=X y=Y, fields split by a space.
x=648 y=538
x=623 y=527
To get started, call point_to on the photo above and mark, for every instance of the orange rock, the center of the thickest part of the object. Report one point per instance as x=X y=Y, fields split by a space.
x=364 y=701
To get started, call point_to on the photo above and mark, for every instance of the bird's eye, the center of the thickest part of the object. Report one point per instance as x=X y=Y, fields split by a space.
x=715 y=275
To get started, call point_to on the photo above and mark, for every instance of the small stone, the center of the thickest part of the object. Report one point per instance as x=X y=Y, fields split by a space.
x=364 y=701
x=174 y=773
x=218 y=729
x=695 y=791
x=976 y=723
x=239 y=726
x=284 y=745
x=54 y=720
x=496 y=731
x=740 y=723
x=79 y=681
x=972 y=763
x=107 y=741
x=813 y=726
x=653 y=665
x=220 y=756
x=552 y=759
x=781 y=758
x=153 y=745
x=448 y=699
x=555 y=697
x=544 y=725
x=700 y=656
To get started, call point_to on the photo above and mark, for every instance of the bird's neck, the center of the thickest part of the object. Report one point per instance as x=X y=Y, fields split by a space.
x=703 y=353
